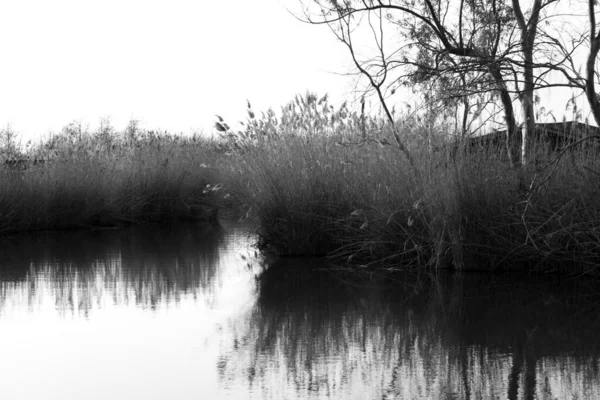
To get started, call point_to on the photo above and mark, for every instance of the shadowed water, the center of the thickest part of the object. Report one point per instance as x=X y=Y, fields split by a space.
x=189 y=313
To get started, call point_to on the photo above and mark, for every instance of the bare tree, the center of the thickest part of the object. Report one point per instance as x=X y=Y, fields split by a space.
x=479 y=45
x=569 y=42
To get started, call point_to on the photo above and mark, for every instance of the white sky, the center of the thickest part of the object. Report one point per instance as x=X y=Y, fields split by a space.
x=170 y=64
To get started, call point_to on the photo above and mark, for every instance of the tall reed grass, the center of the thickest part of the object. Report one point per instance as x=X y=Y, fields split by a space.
x=348 y=193
x=324 y=181
x=78 y=178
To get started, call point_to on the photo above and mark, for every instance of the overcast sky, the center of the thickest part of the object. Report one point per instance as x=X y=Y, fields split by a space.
x=170 y=64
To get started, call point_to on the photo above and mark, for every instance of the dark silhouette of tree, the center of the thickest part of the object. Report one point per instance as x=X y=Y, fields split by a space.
x=591 y=75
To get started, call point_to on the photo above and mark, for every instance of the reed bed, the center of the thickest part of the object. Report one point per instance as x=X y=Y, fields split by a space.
x=82 y=179
x=323 y=181
x=348 y=193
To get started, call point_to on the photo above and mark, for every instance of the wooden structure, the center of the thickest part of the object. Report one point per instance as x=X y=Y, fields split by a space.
x=556 y=135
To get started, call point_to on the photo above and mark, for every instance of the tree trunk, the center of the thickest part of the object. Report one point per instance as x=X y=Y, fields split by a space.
x=590 y=84
x=528 y=34
x=590 y=87
x=512 y=135
x=465 y=118
x=528 y=129
x=526 y=96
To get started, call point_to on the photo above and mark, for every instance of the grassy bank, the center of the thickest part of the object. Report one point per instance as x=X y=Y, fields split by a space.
x=325 y=182
x=352 y=196
x=80 y=179
x=364 y=204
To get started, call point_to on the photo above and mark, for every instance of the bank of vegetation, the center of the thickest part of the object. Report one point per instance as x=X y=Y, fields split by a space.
x=322 y=181
x=412 y=191
x=79 y=178
x=332 y=183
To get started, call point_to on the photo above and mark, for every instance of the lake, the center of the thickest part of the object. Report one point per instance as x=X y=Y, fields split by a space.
x=188 y=312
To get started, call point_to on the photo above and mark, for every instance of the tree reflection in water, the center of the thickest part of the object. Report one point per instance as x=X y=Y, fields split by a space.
x=314 y=335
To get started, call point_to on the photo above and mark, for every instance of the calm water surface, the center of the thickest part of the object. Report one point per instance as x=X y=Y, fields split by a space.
x=181 y=313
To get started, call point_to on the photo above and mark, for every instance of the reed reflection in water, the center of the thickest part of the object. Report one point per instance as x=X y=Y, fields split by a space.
x=120 y=314
x=185 y=313
x=314 y=335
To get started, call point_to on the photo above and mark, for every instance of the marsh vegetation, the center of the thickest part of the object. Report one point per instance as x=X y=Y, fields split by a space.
x=82 y=179
x=339 y=187
x=322 y=181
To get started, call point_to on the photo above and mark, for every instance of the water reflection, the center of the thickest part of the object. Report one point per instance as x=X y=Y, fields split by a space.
x=141 y=266
x=184 y=312
x=464 y=337
x=120 y=314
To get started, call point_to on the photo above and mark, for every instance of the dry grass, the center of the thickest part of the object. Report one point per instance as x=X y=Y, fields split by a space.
x=324 y=181
x=81 y=179
x=352 y=196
